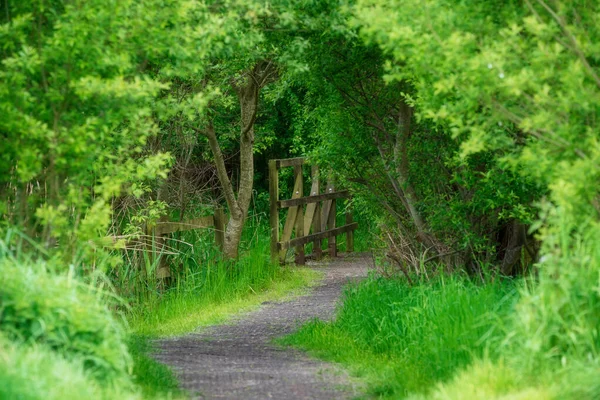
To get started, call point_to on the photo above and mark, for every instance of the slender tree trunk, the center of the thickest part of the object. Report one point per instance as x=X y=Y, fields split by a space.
x=408 y=194
x=402 y=169
x=248 y=91
x=248 y=96
x=233 y=231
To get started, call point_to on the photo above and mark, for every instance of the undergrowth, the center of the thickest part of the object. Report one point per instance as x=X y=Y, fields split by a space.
x=155 y=380
x=58 y=336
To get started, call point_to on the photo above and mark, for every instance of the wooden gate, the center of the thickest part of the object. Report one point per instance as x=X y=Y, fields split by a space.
x=310 y=218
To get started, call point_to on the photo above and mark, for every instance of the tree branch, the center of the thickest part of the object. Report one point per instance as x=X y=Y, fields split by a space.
x=209 y=133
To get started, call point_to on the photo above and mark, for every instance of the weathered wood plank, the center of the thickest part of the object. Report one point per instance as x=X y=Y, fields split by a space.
x=163 y=228
x=300 y=260
x=311 y=207
x=331 y=224
x=290 y=220
x=349 y=234
x=157 y=246
x=274 y=209
x=289 y=162
x=342 y=194
x=316 y=223
x=317 y=236
x=326 y=208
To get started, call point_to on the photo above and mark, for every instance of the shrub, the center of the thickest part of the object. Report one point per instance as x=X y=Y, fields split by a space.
x=36 y=372
x=63 y=314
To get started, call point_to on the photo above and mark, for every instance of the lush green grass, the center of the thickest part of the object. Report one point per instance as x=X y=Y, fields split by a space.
x=212 y=290
x=403 y=339
x=181 y=312
x=155 y=380
x=63 y=314
x=31 y=371
x=506 y=379
x=59 y=338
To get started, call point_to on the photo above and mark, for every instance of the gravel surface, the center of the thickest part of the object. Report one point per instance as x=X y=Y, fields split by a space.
x=239 y=361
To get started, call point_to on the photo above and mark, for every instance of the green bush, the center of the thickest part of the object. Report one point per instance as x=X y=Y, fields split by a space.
x=507 y=77
x=37 y=372
x=506 y=380
x=559 y=320
x=64 y=315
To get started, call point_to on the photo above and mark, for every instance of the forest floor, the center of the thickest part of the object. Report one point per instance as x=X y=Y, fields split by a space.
x=239 y=360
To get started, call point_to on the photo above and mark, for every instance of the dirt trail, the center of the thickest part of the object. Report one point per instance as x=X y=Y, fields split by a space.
x=239 y=361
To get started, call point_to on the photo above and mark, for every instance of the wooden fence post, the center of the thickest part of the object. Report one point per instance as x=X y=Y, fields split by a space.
x=292 y=215
x=274 y=209
x=311 y=218
x=148 y=249
x=317 y=250
x=350 y=233
x=331 y=223
x=219 y=218
x=300 y=259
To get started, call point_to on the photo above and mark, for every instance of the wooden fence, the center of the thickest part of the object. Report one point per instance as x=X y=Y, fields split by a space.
x=159 y=233
x=313 y=225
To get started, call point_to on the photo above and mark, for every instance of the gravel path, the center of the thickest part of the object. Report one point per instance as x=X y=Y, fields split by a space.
x=239 y=361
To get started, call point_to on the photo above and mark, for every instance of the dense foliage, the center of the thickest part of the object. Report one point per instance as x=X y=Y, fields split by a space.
x=505 y=102
x=467 y=131
x=520 y=80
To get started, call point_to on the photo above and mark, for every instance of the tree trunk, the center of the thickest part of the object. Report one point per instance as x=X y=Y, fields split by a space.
x=248 y=97
x=248 y=91
x=401 y=162
x=233 y=236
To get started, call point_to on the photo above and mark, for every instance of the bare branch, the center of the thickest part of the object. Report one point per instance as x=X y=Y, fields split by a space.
x=221 y=169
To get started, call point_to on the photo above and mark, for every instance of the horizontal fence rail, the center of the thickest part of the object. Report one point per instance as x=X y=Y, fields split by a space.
x=164 y=228
x=156 y=236
x=343 y=194
x=317 y=236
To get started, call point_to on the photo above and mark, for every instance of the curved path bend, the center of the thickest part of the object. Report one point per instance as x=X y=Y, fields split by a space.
x=238 y=360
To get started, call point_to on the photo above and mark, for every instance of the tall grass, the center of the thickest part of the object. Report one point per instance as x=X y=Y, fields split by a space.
x=404 y=339
x=154 y=380
x=33 y=371
x=62 y=313
x=552 y=343
x=58 y=338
